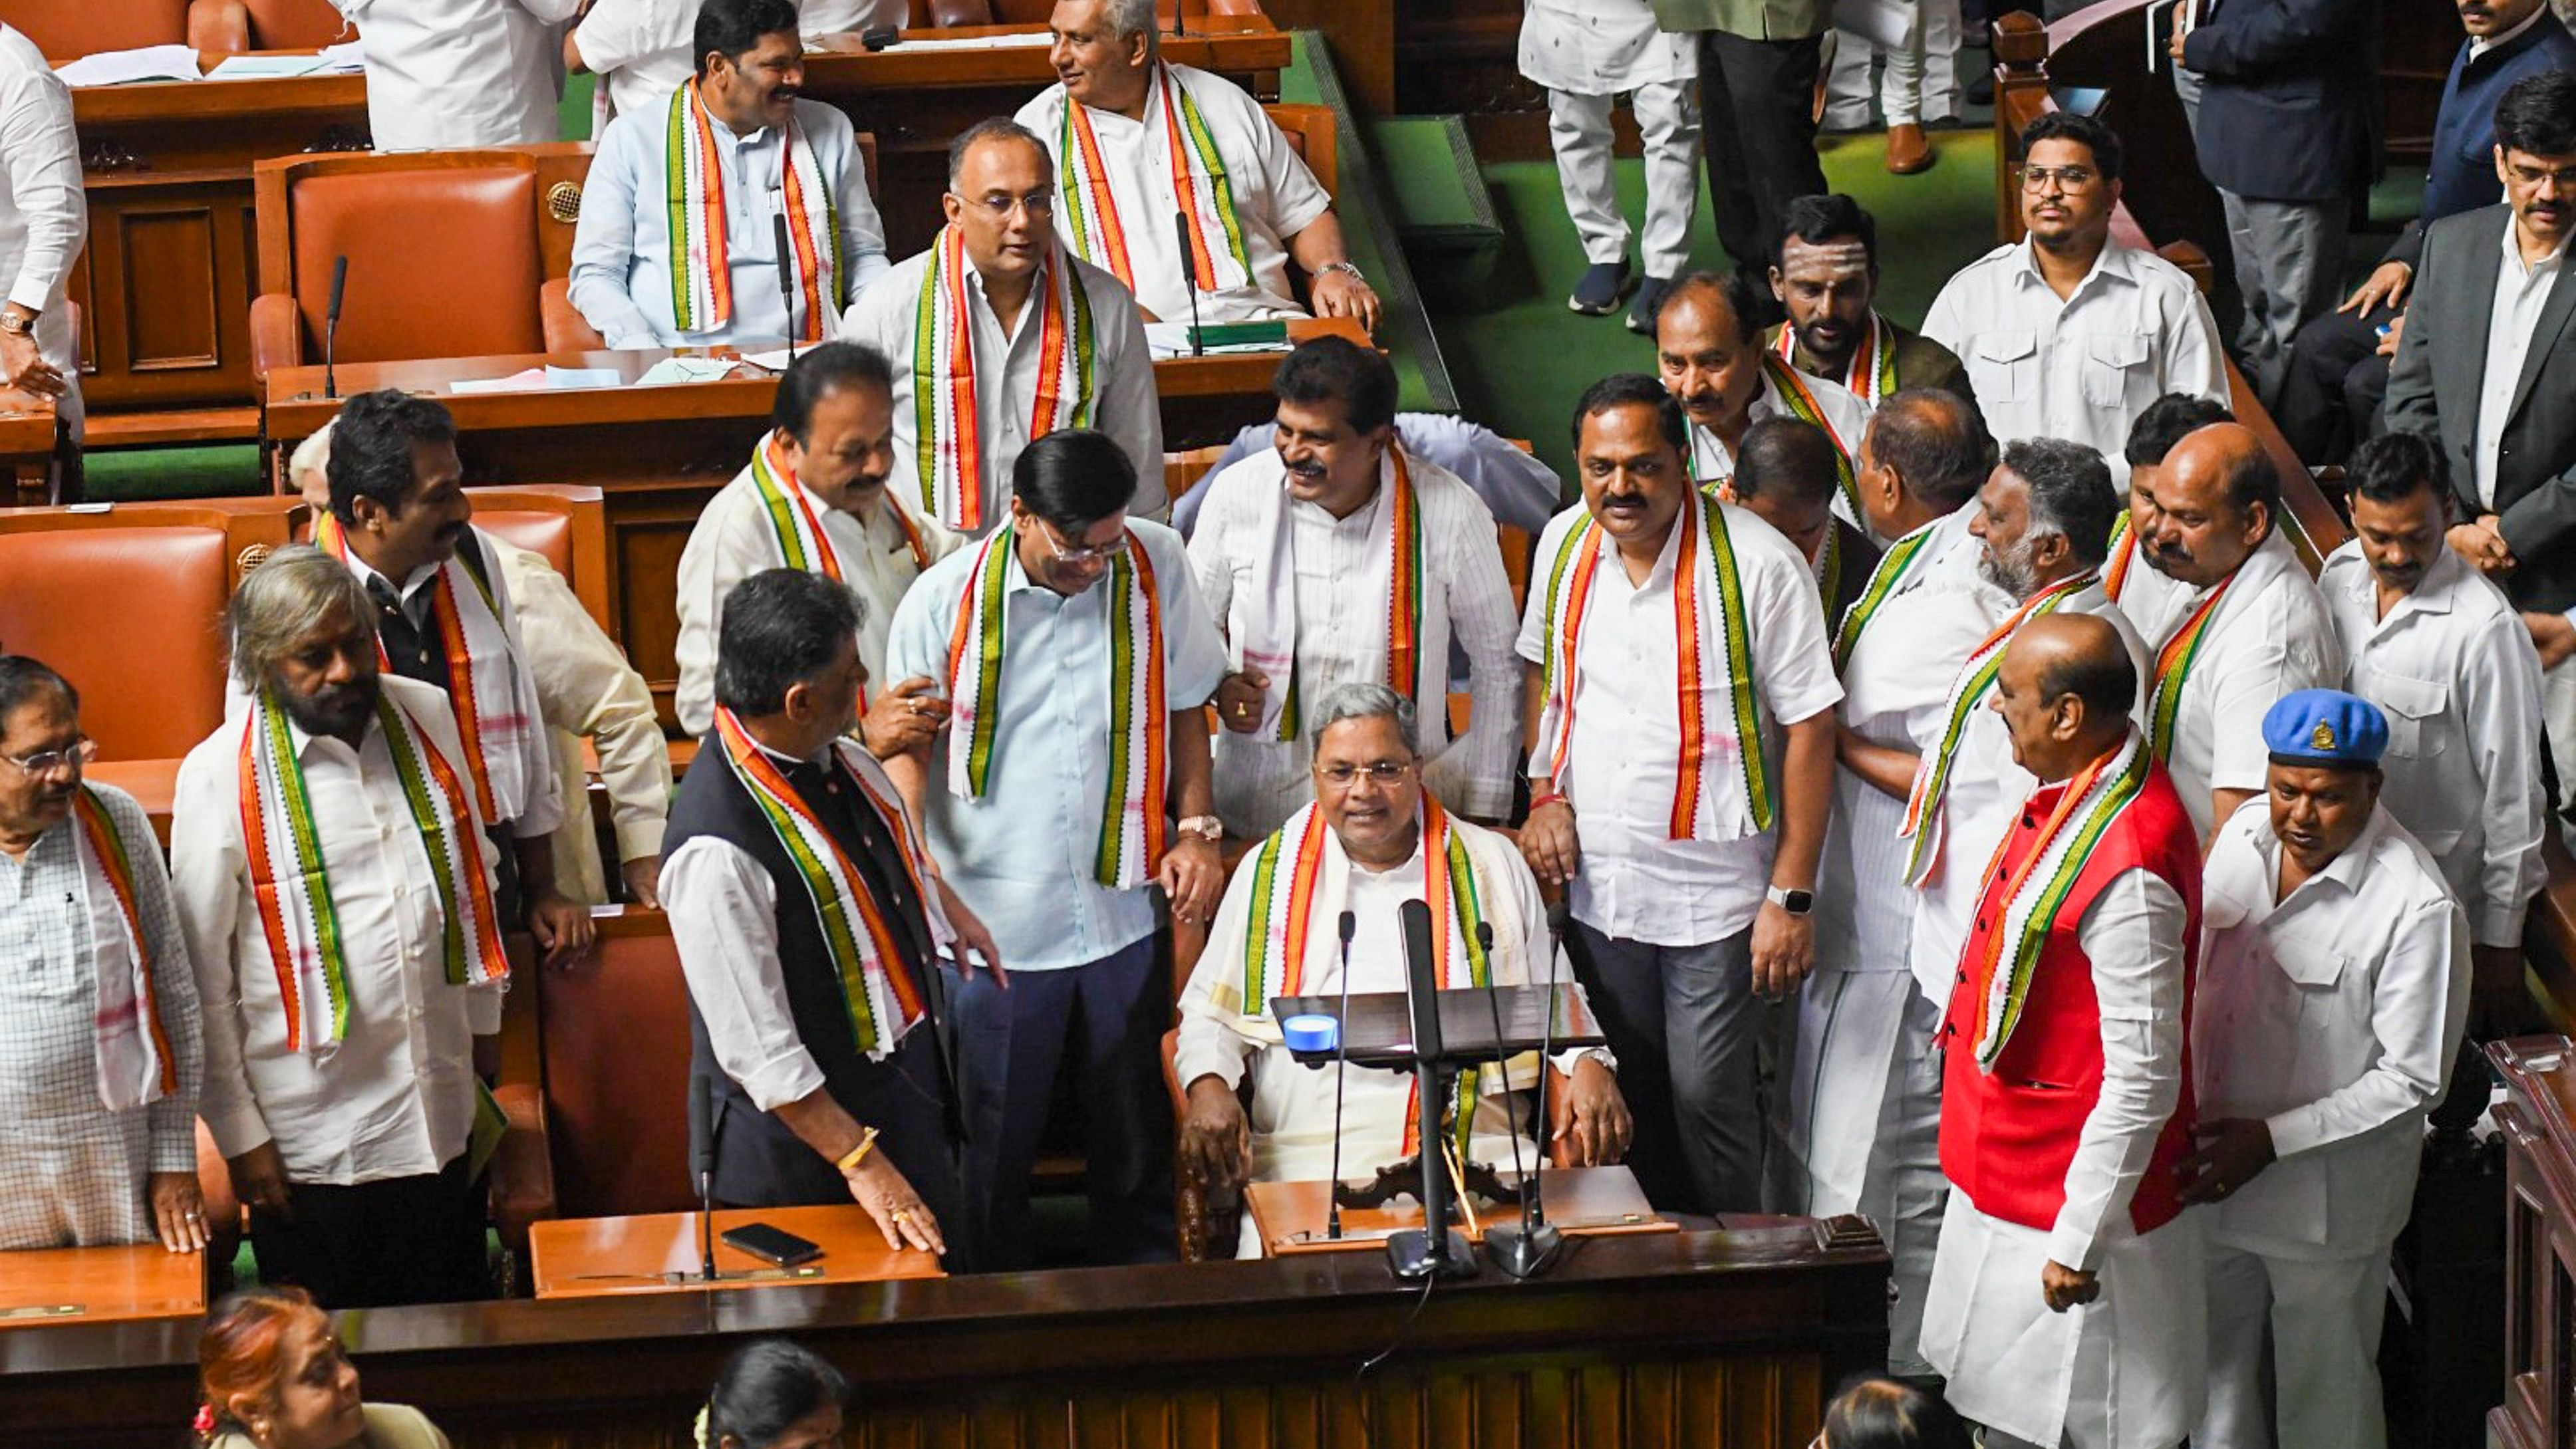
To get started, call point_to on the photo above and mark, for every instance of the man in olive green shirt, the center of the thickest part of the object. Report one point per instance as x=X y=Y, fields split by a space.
x=1758 y=63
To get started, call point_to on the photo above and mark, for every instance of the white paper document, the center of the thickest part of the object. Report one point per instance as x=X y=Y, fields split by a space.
x=685 y=369
x=1172 y=339
x=1016 y=40
x=122 y=67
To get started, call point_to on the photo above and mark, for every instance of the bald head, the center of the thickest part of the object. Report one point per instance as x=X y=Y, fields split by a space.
x=2213 y=503
x=2065 y=688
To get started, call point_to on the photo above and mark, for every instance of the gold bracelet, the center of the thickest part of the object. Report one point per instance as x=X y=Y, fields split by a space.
x=858 y=1154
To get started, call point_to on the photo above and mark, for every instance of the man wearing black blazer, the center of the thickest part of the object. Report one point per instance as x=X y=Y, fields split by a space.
x=2488 y=366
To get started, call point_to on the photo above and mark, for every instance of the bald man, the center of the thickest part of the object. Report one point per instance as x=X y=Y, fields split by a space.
x=2244 y=627
x=1709 y=352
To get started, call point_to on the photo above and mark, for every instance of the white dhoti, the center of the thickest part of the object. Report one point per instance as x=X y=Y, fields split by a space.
x=1588 y=53
x=1920 y=81
x=2324 y=1320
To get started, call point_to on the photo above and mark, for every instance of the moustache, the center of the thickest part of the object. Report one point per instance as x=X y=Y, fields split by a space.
x=1309 y=471
x=1623 y=500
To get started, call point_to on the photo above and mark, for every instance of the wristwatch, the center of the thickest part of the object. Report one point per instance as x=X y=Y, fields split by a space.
x=17 y=326
x=1796 y=903
x=1355 y=274
x=1202 y=827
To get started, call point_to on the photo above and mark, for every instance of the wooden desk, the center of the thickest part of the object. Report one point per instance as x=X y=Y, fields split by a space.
x=100 y=1285
x=27 y=431
x=1289 y=1217
x=621 y=1257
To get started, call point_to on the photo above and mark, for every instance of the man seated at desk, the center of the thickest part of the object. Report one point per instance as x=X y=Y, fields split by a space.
x=1372 y=839
x=678 y=242
x=640 y=49
x=1138 y=140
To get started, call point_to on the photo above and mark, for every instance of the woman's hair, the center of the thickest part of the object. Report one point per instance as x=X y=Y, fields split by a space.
x=242 y=1350
x=1884 y=1413
x=765 y=1390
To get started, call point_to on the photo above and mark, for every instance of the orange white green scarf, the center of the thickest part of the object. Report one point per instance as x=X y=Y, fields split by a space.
x=1132 y=824
x=1713 y=650
x=1800 y=399
x=1871 y=376
x=1884 y=581
x=292 y=889
x=2173 y=667
x=1266 y=623
x=794 y=525
x=2123 y=557
x=877 y=988
x=135 y=1064
x=1202 y=191
x=693 y=192
x=947 y=430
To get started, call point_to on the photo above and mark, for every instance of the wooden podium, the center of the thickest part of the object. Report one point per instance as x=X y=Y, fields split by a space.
x=100 y=1285
x=1289 y=1217
x=610 y=1257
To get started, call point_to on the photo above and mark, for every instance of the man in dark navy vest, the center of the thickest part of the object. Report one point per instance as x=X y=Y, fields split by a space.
x=808 y=919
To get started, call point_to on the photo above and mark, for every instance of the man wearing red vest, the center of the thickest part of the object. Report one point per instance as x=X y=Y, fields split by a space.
x=2066 y=1304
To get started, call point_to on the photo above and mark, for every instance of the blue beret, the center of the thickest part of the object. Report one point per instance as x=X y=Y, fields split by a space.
x=2325 y=727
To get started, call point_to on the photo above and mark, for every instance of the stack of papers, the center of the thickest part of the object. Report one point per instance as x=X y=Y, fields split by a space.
x=685 y=369
x=538 y=379
x=122 y=67
x=1172 y=339
x=263 y=67
x=1016 y=40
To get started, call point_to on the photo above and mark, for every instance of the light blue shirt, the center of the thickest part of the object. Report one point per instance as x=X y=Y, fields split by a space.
x=1022 y=856
x=621 y=251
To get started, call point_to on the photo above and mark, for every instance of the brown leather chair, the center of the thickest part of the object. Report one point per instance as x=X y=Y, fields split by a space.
x=239 y=25
x=1310 y=130
x=69 y=29
x=565 y=523
x=616 y=1050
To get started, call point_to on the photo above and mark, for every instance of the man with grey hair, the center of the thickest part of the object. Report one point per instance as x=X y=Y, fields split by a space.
x=1373 y=839
x=334 y=886
x=1138 y=140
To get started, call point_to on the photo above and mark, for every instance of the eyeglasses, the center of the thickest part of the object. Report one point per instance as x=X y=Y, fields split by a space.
x=1341 y=775
x=2523 y=175
x=2072 y=180
x=1067 y=553
x=47 y=762
x=1000 y=205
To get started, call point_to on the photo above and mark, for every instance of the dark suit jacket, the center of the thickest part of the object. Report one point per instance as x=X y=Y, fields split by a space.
x=2288 y=97
x=2440 y=373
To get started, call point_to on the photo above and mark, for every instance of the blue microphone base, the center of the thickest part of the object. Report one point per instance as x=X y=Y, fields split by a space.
x=1411 y=1256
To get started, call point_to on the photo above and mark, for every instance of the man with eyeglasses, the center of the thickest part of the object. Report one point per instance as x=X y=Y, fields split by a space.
x=1370 y=838
x=1077 y=659
x=2066 y=333
x=2484 y=367
x=1000 y=335
x=100 y=1053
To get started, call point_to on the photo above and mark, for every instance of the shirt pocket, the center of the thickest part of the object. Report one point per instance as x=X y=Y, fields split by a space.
x=2413 y=709
x=2001 y=365
x=2114 y=368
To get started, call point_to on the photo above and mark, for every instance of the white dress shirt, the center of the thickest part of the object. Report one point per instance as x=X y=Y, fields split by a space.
x=1006 y=378
x=641 y=49
x=2453 y=669
x=44 y=218
x=1601 y=47
x=1519 y=490
x=1275 y=196
x=448 y=74
x=621 y=250
x=1260 y=782
x=2331 y=1015
x=732 y=540
x=2080 y=369
x=2522 y=289
x=1623 y=764
x=395 y=1096
x=1711 y=462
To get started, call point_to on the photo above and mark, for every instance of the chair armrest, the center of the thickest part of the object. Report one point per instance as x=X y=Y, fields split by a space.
x=566 y=329
x=522 y=1172
x=948 y=13
x=276 y=334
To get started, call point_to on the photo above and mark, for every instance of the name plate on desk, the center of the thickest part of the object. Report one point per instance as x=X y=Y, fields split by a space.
x=1290 y=1217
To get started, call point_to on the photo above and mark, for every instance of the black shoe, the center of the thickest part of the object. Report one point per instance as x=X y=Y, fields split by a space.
x=1650 y=300
x=1603 y=284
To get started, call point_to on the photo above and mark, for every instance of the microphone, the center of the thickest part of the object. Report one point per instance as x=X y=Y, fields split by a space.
x=786 y=275
x=331 y=324
x=1341 y=1071
x=702 y=1149
x=1435 y=1251
x=1528 y=1250
x=1180 y=23
x=1190 y=270
x=1502 y=1059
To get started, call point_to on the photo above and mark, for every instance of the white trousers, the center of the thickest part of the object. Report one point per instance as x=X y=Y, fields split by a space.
x=2323 y=1320
x=1920 y=80
x=1587 y=172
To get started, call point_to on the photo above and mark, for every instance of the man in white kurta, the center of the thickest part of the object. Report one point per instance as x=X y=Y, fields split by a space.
x=642 y=50
x=2333 y=987
x=2252 y=628
x=1010 y=311
x=1378 y=838
x=1338 y=555
x=44 y=222
x=1138 y=141
x=448 y=74
x=814 y=497
x=1708 y=349
x=1588 y=53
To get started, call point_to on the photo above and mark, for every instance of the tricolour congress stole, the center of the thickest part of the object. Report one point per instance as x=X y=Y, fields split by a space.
x=793 y=524
x=289 y=883
x=877 y=989
x=2039 y=886
x=1200 y=187
x=1267 y=626
x=1872 y=373
x=1709 y=630
x=1281 y=932
x=1893 y=566
x=2173 y=667
x=135 y=1064
x=693 y=194
x=947 y=431
x=482 y=682
x=1800 y=400
x=2124 y=555
x=1132 y=827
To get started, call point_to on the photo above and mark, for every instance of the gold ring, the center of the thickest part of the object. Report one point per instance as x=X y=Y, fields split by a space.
x=901 y=1216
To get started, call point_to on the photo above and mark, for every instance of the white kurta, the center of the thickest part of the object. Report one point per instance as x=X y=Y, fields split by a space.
x=1602 y=47
x=446 y=74
x=44 y=218
x=1846 y=418
x=641 y=48
x=733 y=540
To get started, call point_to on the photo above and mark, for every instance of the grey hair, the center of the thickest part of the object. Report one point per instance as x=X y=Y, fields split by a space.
x=280 y=602
x=1360 y=699
x=1134 y=17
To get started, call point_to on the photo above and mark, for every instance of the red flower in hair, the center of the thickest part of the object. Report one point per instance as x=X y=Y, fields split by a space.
x=205 y=1421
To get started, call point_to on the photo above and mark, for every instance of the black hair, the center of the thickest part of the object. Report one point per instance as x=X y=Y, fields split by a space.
x=780 y=627
x=1635 y=389
x=2103 y=679
x=820 y=371
x=767 y=1388
x=1336 y=369
x=1819 y=219
x=2070 y=493
x=1074 y=477
x=2167 y=421
x=2252 y=479
x=1784 y=457
x=2394 y=465
x=733 y=28
x=1883 y=1413
x=23 y=678
x=2085 y=131
x=1936 y=441
x=2537 y=115
x=371 y=447
x=1746 y=295
x=986 y=130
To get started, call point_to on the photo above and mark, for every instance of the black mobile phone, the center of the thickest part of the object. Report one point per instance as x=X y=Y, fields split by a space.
x=772 y=1245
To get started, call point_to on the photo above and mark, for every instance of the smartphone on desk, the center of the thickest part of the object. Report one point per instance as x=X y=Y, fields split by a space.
x=772 y=1245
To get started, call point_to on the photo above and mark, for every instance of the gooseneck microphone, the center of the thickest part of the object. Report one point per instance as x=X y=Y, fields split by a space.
x=1502 y=1059
x=786 y=275
x=1341 y=1072
x=331 y=324
x=702 y=1146
x=1190 y=274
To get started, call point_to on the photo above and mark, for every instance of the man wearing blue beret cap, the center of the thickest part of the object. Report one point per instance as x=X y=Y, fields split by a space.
x=2335 y=981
